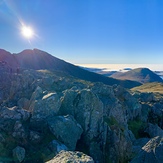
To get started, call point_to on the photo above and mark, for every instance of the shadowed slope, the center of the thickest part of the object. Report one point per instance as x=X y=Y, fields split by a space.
x=37 y=59
x=8 y=58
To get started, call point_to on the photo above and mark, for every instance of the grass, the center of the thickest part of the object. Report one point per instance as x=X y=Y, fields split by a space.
x=136 y=126
x=150 y=87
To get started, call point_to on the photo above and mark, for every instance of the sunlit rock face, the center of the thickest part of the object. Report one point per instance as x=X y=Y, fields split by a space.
x=69 y=156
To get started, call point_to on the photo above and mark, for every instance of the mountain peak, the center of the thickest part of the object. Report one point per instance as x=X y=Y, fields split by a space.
x=143 y=75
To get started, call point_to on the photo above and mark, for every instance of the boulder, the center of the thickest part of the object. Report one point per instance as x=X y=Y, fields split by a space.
x=53 y=148
x=48 y=105
x=18 y=154
x=73 y=157
x=153 y=130
x=89 y=114
x=138 y=144
x=56 y=146
x=67 y=102
x=66 y=130
x=151 y=152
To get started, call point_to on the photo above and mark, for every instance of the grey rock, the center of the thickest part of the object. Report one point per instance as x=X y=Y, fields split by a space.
x=57 y=146
x=35 y=137
x=53 y=148
x=89 y=112
x=129 y=102
x=14 y=113
x=18 y=154
x=138 y=144
x=153 y=130
x=73 y=157
x=23 y=103
x=151 y=152
x=19 y=131
x=66 y=130
x=67 y=102
x=47 y=106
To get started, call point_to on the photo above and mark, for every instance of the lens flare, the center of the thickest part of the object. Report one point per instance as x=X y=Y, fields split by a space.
x=27 y=32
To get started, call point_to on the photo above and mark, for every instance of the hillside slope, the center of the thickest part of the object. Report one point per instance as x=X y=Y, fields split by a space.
x=150 y=87
x=36 y=59
x=142 y=75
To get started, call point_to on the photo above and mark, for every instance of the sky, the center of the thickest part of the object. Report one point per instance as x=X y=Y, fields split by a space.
x=86 y=31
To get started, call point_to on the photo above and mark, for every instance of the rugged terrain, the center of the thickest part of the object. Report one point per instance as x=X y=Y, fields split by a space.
x=51 y=116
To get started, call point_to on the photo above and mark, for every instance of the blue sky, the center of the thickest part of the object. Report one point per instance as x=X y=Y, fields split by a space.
x=86 y=31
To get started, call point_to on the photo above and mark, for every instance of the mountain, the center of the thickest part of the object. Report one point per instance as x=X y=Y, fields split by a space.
x=36 y=59
x=142 y=75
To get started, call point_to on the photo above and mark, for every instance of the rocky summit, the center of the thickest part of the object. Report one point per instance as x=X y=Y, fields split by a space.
x=51 y=116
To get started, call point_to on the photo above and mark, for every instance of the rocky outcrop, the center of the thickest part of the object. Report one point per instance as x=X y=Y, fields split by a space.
x=66 y=130
x=151 y=152
x=73 y=157
x=45 y=112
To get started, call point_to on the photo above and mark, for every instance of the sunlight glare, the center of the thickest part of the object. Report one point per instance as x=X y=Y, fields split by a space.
x=27 y=32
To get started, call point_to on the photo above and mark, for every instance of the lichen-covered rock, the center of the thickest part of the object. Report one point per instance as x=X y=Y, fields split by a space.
x=66 y=130
x=89 y=114
x=73 y=157
x=128 y=102
x=151 y=152
x=18 y=154
x=48 y=105
x=67 y=102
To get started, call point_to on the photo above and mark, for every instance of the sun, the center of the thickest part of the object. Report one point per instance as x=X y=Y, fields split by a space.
x=27 y=31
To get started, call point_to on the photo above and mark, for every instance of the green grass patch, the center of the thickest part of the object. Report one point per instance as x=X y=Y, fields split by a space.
x=111 y=121
x=136 y=126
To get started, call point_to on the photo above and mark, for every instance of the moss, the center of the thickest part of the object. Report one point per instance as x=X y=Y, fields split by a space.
x=136 y=126
x=111 y=121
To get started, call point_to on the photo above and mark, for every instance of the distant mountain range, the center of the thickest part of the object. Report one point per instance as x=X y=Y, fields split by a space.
x=142 y=75
x=37 y=59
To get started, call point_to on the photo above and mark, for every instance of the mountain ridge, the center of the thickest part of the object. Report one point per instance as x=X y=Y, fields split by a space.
x=37 y=59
